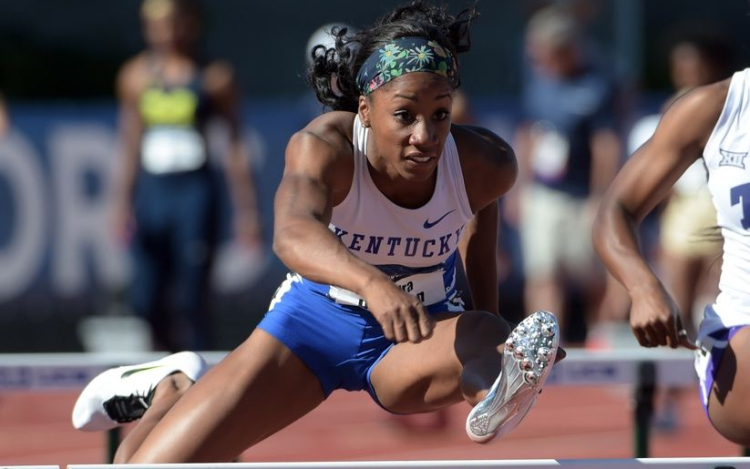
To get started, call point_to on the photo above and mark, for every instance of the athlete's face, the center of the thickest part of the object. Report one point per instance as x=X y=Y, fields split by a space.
x=410 y=120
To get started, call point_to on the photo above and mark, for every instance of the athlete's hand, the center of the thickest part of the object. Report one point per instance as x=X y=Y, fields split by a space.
x=655 y=319
x=401 y=315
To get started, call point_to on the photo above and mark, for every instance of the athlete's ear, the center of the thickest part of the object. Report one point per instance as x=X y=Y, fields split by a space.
x=364 y=110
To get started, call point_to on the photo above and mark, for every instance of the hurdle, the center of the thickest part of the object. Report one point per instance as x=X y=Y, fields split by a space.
x=662 y=463
x=29 y=467
x=644 y=369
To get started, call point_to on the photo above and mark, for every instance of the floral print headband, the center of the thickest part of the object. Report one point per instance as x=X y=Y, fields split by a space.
x=405 y=55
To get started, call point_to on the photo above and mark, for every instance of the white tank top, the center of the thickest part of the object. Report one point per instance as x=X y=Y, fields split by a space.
x=729 y=183
x=416 y=247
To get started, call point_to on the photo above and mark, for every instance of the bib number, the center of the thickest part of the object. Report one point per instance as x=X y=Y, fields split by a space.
x=428 y=288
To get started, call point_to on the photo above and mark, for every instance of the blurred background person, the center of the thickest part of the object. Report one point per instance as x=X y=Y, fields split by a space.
x=569 y=149
x=167 y=194
x=461 y=110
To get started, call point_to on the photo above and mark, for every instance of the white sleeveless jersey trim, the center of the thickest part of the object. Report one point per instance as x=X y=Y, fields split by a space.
x=728 y=167
x=382 y=233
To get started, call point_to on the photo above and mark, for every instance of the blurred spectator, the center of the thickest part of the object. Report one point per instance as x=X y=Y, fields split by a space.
x=569 y=149
x=167 y=195
x=4 y=117
x=461 y=112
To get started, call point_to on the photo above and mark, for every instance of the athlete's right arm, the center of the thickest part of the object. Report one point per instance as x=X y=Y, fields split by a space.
x=130 y=130
x=641 y=184
x=317 y=175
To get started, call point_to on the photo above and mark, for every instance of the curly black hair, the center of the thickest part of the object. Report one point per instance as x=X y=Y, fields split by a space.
x=333 y=71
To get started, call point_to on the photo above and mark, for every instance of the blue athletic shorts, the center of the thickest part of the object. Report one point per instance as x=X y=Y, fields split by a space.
x=341 y=344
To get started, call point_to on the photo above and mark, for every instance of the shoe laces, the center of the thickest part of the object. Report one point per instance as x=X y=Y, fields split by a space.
x=124 y=409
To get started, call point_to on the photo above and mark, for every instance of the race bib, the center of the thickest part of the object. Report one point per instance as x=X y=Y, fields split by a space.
x=427 y=287
x=172 y=149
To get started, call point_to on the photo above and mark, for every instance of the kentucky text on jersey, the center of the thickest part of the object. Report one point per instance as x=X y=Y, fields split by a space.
x=398 y=245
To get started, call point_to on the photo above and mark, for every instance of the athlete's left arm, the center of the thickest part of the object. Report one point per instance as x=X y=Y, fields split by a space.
x=490 y=169
x=643 y=182
x=222 y=88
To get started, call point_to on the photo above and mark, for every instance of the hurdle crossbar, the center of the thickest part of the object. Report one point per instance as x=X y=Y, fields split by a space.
x=662 y=463
x=30 y=467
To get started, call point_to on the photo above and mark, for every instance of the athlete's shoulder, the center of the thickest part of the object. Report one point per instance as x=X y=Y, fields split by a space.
x=480 y=141
x=693 y=116
x=333 y=129
x=325 y=141
x=323 y=149
x=134 y=64
x=132 y=75
x=712 y=95
x=486 y=158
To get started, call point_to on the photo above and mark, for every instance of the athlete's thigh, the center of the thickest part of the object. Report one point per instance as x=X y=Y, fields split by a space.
x=427 y=376
x=729 y=401
x=258 y=389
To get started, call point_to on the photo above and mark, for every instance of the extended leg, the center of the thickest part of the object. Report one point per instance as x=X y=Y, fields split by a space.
x=258 y=389
x=462 y=361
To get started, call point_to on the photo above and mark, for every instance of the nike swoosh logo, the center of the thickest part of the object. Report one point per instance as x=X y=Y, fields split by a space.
x=138 y=370
x=428 y=224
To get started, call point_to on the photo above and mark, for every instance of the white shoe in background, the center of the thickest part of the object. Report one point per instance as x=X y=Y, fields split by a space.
x=120 y=395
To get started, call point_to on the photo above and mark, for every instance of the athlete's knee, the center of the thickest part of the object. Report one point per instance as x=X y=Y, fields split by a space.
x=168 y=391
x=172 y=386
x=123 y=454
x=482 y=323
x=479 y=332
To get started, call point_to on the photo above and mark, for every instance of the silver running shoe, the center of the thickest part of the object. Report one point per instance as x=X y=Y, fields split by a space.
x=528 y=357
